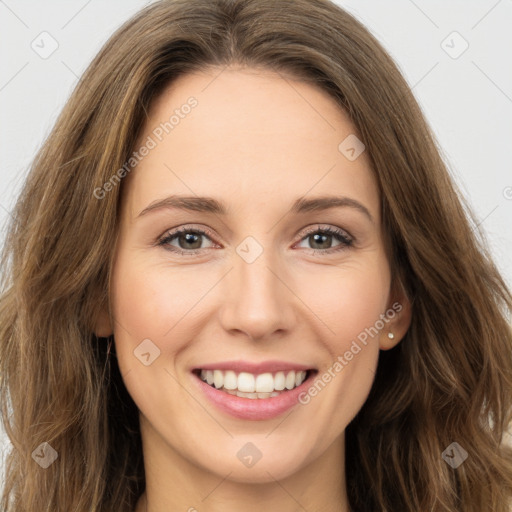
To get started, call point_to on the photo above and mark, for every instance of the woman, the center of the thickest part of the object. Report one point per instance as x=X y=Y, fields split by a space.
x=176 y=335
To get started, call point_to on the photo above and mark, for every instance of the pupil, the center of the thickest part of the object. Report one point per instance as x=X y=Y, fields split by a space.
x=190 y=238
x=315 y=237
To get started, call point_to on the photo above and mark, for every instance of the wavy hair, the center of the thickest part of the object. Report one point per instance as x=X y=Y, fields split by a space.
x=449 y=379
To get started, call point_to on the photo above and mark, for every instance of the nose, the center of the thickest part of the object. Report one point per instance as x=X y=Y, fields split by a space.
x=258 y=301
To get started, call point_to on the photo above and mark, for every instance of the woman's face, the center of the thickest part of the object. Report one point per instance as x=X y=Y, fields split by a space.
x=253 y=279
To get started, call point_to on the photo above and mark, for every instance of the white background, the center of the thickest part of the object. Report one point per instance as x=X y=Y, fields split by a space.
x=467 y=100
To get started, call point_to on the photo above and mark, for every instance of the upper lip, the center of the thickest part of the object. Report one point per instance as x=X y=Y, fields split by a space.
x=254 y=368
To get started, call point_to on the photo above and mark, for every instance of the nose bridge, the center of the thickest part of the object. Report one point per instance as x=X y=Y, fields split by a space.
x=256 y=302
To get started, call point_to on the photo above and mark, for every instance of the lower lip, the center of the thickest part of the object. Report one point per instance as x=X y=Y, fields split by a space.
x=254 y=408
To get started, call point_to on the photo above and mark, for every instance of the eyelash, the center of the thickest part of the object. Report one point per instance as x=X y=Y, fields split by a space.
x=339 y=234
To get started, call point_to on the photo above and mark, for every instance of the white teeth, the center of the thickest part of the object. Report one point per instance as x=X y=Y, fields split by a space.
x=290 y=380
x=265 y=383
x=279 y=381
x=246 y=382
x=247 y=385
x=230 y=380
x=218 y=379
x=247 y=395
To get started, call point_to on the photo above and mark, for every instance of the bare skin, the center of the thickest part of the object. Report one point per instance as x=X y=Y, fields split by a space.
x=256 y=142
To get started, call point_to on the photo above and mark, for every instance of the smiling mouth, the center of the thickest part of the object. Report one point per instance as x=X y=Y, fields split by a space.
x=249 y=385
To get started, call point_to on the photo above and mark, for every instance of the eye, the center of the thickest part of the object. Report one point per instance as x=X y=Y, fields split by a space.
x=322 y=237
x=187 y=239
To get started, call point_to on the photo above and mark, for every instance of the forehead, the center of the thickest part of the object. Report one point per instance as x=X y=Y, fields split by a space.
x=249 y=136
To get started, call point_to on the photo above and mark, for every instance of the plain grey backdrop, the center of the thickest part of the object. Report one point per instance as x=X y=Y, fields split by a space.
x=455 y=55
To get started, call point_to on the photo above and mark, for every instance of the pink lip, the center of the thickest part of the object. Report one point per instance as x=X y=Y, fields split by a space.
x=254 y=368
x=252 y=409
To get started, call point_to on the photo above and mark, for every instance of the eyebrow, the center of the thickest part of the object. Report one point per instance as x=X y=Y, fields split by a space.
x=211 y=205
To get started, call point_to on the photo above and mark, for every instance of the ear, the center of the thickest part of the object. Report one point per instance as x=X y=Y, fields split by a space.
x=399 y=314
x=102 y=325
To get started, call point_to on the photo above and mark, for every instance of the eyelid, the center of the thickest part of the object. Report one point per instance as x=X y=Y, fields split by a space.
x=327 y=228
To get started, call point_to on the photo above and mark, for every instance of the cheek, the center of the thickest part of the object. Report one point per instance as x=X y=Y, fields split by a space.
x=348 y=298
x=156 y=304
x=138 y=301
x=161 y=303
x=350 y=303
x=151 y=301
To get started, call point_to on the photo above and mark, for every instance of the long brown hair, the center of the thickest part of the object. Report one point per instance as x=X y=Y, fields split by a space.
x=449 y=380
